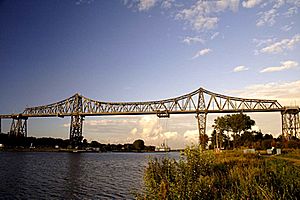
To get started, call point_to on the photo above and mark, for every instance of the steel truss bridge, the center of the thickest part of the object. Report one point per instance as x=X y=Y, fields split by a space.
x=200 y=102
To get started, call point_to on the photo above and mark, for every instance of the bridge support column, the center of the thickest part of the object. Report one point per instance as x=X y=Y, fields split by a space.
x=290 y=123
x=201 y=119
x=0 y=125
x=18 y=127
x=76 y=130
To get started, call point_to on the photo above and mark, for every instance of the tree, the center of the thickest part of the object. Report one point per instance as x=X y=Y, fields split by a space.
x=235 y=123
x=84 y=143
x=138 y=145
x=221 y=124
x=219 y=139
x=268 y=137
x=95 y=144
x=258 y=136
x=247 y=139
x=238 y=123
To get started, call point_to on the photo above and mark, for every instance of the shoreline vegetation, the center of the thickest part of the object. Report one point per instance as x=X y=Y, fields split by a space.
x=33 y=144
x=230 y=174
x=74 y=150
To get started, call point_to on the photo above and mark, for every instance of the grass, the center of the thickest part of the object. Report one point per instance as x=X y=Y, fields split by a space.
x=293 y=157
x=227 y=175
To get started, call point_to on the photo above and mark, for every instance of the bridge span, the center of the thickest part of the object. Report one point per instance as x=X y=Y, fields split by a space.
x=200 y=102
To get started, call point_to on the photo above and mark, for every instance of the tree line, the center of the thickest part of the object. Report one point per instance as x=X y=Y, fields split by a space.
x=12 y=142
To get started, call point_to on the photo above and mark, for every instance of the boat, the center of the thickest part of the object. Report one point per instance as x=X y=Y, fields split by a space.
x=163 y=148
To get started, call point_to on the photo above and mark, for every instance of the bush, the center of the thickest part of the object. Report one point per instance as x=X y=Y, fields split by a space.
x=293 y=144
x=230 y=175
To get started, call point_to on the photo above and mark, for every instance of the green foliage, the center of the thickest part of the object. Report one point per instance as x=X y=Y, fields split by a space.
x=138 y=145
x=235 y=123
x=230 y=175
x=240 y=122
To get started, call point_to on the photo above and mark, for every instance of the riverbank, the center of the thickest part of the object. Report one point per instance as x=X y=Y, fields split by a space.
x=223 y=175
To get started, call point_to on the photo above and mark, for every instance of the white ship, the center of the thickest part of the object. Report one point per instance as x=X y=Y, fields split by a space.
x=163 y=148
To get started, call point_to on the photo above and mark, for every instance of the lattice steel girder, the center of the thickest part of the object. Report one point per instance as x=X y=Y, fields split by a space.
x=198 y=101
x=76 y=130
x=291 y=122
x=18 y=127
x=76 y=121
x=201 y=120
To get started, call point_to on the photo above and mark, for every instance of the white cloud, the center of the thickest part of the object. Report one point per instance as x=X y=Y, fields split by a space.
x=287 y=93
x=192 y=40
x=240 y=68
x=214 y=35
x=251 y=3
x=154 y=131
x=203 y=14
x=291 y=12
x=203 y=22
x=284 y=44
x=284 y=66
x=105 y=122
x=144 y=5
x=191 y=136
x=232 y=5
x=279 y=3
x=263 y=42
x=80 y=2
x=167 y=3
x=149 y=128
x=202 y=53
x=294 y=2
x=170 y=135
x=267 y=17
x=133 y=131
x=287 y=27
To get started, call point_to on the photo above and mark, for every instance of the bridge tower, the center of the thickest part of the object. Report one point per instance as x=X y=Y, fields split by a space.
x=76 y=122
x=18 y=127
x=201 y=118
x=290 y=122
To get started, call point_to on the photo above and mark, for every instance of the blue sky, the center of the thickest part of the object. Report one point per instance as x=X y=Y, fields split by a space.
x=139 y=50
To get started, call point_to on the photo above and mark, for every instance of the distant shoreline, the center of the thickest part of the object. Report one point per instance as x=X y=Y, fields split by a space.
x=76 y=150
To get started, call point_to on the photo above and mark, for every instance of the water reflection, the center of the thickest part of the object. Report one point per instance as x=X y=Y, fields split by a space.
x=74 y=171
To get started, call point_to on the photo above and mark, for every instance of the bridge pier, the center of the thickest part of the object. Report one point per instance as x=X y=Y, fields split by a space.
x=76 y=130
x=290 y=122
x=18 y=127
x=201 y=120
x=0 y=125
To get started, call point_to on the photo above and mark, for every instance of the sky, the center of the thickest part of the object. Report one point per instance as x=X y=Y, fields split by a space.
x=139 y=50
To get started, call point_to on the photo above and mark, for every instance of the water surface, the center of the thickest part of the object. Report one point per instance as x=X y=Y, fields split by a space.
x=34 y=175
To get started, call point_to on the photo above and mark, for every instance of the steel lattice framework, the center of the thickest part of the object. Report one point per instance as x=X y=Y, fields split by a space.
x=200 y=102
